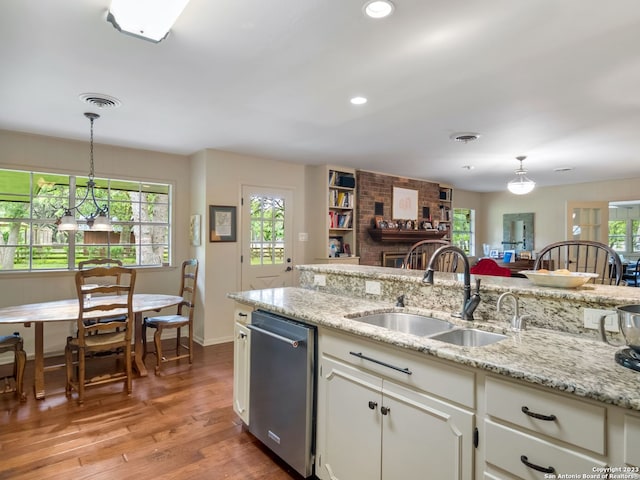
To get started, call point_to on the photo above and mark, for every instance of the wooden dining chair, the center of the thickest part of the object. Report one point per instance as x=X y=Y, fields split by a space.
x=106 y=300
x=14 y=343
x=582 y=256
x=183 y=318
x=103 y=262
x=419 y=254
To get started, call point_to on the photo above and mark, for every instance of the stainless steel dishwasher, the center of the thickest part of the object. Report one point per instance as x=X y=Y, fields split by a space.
x=282 y=388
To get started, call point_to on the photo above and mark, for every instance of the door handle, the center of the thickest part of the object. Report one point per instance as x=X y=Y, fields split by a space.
x=288 y=269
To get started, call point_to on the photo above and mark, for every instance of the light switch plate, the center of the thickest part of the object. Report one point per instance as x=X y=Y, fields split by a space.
x=592 y=319
x=372 y=287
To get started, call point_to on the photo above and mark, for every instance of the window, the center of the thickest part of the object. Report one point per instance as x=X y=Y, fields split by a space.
x=31 y=203
x=267 y=230
x=464 y=220
x=624 y=235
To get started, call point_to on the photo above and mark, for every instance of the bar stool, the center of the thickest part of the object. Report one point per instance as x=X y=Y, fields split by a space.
x=15 y=343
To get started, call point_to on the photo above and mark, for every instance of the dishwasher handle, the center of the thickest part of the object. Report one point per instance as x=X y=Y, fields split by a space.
x=290 y=341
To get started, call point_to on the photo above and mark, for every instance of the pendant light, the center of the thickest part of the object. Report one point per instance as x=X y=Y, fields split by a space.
x=99 y=219
x=521 y=185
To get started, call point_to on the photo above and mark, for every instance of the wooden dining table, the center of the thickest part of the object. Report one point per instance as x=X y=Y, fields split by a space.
x=67 y=310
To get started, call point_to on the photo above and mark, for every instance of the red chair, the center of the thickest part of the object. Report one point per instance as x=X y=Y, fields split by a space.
x=487 y=266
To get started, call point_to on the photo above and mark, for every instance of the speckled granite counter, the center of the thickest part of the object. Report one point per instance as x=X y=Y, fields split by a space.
x=571 y=363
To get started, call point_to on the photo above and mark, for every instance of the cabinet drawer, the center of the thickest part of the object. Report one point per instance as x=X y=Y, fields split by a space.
x=242 y=314
x=576 y=422
x=632 y=440
x=506 y=447
x=428 y=375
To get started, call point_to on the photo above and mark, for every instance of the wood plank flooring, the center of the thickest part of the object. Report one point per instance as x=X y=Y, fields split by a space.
x=177 y=426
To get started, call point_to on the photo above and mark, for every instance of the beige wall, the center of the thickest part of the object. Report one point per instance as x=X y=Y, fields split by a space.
x=55 y=155
x=218 y=178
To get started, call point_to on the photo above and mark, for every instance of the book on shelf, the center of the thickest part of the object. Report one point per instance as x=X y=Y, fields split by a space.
x=341 y=179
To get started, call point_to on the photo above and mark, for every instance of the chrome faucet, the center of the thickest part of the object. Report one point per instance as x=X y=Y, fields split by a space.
x=518 y=323
x=469 y=302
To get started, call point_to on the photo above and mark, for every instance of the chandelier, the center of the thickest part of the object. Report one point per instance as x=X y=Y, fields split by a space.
x=521 y=185
x=99 y=219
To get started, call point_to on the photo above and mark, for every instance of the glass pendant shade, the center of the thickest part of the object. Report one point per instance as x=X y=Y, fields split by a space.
x=521 y=185
x=68 y=223
x=101 y=224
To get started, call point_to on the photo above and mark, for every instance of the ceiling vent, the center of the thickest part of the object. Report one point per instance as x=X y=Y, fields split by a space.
x=464 y=137
x=100 y=100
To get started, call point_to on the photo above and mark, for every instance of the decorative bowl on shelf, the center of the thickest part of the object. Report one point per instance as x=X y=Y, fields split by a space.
x=558 y=279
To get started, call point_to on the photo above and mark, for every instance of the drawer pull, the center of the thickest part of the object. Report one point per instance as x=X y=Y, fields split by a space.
x=539 y=416
x=379 y=362
x=525 y=460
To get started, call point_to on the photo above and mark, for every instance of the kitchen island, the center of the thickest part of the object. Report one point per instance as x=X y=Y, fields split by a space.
x=553 y=362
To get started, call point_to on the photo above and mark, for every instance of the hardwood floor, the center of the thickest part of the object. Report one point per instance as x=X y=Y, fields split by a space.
x=177 y=426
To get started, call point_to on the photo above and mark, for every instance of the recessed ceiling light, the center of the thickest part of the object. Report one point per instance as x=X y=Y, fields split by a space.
x=378 y=8
x=358 y=100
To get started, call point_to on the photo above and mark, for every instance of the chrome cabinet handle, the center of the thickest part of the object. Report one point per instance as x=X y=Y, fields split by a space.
x=539 y=416
x=379 y=362
x=525 y=460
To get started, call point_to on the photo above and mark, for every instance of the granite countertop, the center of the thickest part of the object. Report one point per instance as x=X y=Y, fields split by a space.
x=561 y=361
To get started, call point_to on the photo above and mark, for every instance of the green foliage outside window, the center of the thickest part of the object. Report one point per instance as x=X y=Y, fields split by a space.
x=463 y=229
x=31 y=203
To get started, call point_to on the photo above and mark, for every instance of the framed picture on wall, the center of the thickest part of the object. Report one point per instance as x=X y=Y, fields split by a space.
x=194 y=230
x=222 y=223
x=405 y=204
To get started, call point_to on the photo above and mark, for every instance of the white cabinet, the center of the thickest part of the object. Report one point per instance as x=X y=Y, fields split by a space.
x=373 y=426
x=241 y=362
x=531 y=433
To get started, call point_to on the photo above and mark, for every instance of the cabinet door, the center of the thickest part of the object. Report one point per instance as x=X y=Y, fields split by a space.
x=348 y=423
x=241 y=357
x=424 y=438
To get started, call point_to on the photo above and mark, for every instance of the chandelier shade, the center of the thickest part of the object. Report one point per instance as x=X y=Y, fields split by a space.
x=521 y=185
x=98 y=220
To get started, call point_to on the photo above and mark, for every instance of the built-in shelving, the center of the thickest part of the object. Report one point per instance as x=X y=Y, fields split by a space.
x=337 y=187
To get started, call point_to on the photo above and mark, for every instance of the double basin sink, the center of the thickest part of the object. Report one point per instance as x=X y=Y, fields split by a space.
x=433 y=328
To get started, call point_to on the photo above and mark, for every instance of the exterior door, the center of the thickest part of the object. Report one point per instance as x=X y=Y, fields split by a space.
x=267 y=229
x=588 y=221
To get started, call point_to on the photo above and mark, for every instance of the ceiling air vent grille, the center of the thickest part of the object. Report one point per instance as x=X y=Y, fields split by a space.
x=464 y=137
x=99 y=100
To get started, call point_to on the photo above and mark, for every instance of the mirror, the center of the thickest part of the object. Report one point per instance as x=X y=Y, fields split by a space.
x=517 y=231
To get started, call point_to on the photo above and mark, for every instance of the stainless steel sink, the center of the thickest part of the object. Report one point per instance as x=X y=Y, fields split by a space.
x=469 y=337
x=407 y=323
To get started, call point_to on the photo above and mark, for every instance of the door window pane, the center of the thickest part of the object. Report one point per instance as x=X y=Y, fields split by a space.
x=267 y=230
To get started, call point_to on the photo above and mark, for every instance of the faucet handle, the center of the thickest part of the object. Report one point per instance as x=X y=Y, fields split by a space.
x=477 y=285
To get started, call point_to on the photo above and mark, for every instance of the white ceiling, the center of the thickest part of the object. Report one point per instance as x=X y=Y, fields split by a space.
x=555 y=80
